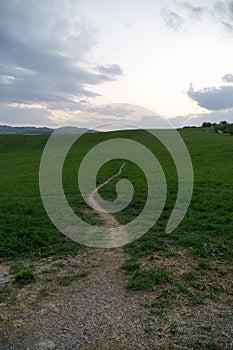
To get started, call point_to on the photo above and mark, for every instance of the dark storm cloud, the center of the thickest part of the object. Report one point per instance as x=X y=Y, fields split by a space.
x=213 y=98
x=43 y=56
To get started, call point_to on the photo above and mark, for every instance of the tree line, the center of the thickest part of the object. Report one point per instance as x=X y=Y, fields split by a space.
x=221 y=127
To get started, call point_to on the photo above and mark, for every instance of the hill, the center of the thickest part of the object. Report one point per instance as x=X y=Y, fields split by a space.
x=162 y=289
x=209 y=212
x=32 y=130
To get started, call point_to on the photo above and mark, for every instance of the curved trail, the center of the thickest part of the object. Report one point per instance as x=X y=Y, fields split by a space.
x=109 y=218
x=117 y=235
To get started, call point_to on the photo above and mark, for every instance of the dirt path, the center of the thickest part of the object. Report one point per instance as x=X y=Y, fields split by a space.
x=92 y=313
x=109 y=219
x=116 y=235
x=97 y=313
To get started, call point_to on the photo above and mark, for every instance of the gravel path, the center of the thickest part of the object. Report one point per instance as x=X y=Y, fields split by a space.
x=96 y=313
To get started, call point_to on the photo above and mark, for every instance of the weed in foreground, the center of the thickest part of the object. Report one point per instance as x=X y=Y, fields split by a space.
x=25 y=276
x=69 y=279
x=147 y=280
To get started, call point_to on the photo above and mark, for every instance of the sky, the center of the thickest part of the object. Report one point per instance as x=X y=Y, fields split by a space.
x=64 y=60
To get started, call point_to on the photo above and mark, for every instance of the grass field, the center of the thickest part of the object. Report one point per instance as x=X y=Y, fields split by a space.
x=206 y=230
x=189 y=269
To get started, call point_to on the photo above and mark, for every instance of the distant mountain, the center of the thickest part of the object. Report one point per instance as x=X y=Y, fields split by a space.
x=32 y=130
x=73 y=130
x=6 y=129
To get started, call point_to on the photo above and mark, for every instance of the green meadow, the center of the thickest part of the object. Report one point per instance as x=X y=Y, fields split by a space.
x=206 y=231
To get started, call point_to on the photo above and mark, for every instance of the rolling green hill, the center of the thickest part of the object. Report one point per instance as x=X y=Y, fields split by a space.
x=206 y=230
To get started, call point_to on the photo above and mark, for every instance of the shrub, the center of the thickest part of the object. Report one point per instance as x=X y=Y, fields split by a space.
x=206 y=125
x=25 y=276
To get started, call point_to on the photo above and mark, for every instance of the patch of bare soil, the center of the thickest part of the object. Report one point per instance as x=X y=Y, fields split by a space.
x=94 y=311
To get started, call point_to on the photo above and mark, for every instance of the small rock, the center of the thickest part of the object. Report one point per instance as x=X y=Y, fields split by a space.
x=53 y=308
x=46 y=345
x=4 y=277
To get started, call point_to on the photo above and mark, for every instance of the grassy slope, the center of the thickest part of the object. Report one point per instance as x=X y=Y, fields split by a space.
x=26 y=230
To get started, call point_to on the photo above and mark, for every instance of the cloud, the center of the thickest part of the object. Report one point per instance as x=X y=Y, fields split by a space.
x=196 y=119
x=223 y=12
x=25 y=116
x=219 y=12
x=213 y=117
x=182 y=14
x=6 y=79
x=45 y=56
x=172 y=20
x=26 y=106
x=228 y=78
x=111 y=69
x=213 y=98
x=193 y=12
x=197 y=11
x=52 y=76
x=127 y=116
x=118 y=116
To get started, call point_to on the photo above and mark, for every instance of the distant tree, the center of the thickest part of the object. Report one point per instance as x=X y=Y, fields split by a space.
x=215 y=127
x=229 y=129
x=206 y=125
x=224 y=127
